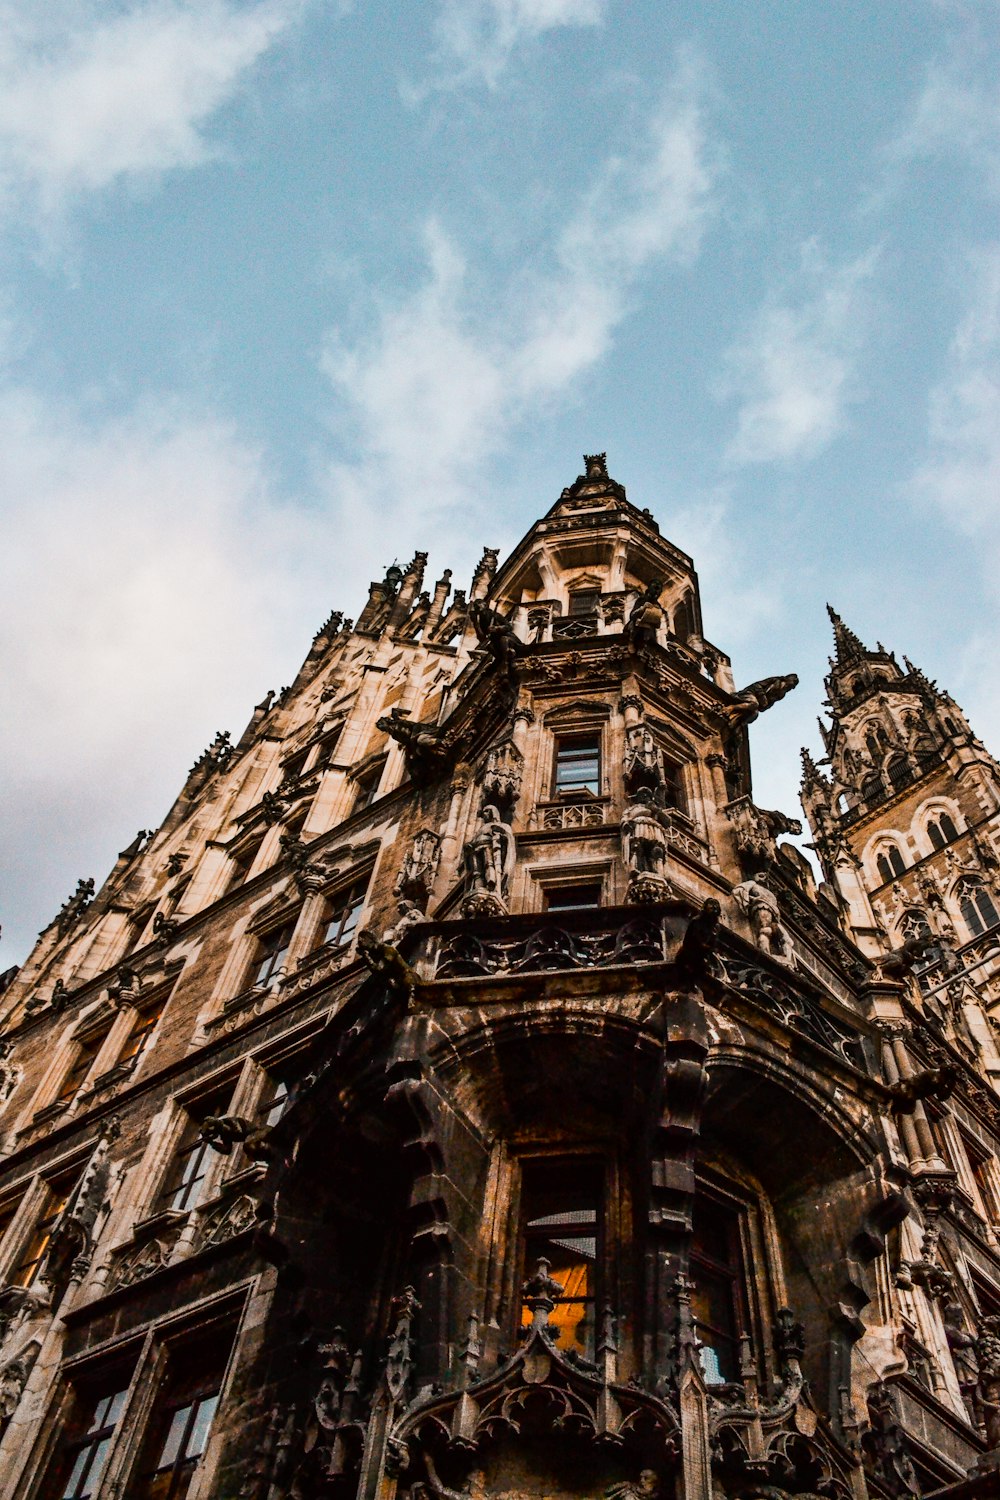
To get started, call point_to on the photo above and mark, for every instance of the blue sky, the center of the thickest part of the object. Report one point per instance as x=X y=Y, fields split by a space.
x=290 y=288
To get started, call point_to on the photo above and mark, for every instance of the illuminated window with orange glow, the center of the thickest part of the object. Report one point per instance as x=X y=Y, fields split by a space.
x=561 y=1221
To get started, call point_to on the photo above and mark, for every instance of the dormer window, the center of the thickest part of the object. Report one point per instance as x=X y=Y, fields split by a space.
x=578 y=766
x=584 y=601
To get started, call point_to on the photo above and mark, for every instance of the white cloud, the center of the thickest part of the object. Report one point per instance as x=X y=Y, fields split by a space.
x=957 y=110
x=151 y=588
x=960 y=474
x=476 y=38
x=434 y=391
x=90 y=96
x=793 y=370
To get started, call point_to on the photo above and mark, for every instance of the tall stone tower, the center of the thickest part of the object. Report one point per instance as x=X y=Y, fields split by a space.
x=463 y=1092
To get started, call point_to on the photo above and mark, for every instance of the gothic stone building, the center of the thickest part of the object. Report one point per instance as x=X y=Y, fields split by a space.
x=464 y=1094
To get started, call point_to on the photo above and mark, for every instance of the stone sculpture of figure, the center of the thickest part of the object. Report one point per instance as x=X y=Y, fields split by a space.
x=643 y=761
x=496 y=634
x=645 y=617
x=646 y=1488
x=962 y=1344
x=644 y=836
x=13 y=1378
x=410 y=915
x=489 y=859
x=988 y=1356
x=760 y=906
x=695 y=958
x=759 y=696
x=473 y=1489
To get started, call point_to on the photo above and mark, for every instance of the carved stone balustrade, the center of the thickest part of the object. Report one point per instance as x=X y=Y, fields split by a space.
x=538 y=943
x=593 y=813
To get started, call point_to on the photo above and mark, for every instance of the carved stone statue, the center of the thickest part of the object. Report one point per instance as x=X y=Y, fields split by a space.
x=410 y=915
x=643 y=760
x=647 y=1487
x=962 y=1344
x=645 y=847
x=417 y=872
x=502 y=778
x=988 y=1356
x=10 y=1072
x=645 y=617
x=695 y=958
x=760 y=906
x=489 y=860
x=755 y=699
x=13 y=1378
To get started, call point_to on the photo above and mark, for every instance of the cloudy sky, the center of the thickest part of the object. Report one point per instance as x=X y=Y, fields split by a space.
x=291 y=287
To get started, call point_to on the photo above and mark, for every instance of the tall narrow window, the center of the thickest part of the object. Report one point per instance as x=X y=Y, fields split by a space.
x=578 y=765
x=86 y=1442
x=673 y=786
x=181 y=1421
x=271 y=953
x=366 y=787
x=185 y=1180
x=83 y=1061
x=889 y=862
x=345 y=910
x=29 y=1266
x=560 y=1217
x=978 y=909
x=941 y=830
x=719 y=1300
x=141 y=1030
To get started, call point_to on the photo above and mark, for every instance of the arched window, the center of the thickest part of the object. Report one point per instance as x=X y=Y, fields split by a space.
x=875 y=741
x=889 y=862
x=683 y=620
x=978 y=909
x=899 y=770
x=941 y=830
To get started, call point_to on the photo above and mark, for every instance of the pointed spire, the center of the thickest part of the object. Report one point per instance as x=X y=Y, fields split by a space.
x=849 y=647
x=811 y=775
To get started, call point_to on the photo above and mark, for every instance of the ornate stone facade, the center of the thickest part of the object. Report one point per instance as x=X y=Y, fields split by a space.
x=465 y=1093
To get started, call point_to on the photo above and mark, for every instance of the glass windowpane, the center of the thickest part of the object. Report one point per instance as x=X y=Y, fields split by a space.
x=204 y=1411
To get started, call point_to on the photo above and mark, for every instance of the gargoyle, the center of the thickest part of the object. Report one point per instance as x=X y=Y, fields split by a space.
x=753 y=700
x=929 y=1083
x=693 y=962
x=425 y=746
x=224 y=1132
x=383 y=959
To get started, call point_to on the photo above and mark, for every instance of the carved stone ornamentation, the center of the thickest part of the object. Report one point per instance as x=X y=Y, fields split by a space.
x=399 y=1360
x=417 y=872
x=74 y=907
x=227 y=1220
x=14 y=1377
x=502 y=778
x=138 y=1263
x=757 y=829
x=488 y=858
x=496 y=635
